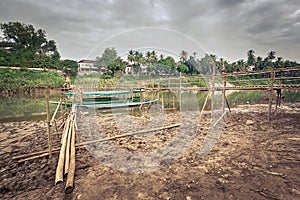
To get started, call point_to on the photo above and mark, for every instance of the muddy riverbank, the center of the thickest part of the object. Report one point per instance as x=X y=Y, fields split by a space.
x=253 y=159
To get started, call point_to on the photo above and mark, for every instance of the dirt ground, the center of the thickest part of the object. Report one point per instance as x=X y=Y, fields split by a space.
x=253 y=159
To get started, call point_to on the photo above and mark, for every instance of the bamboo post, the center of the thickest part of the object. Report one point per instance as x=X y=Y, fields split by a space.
x=48 y=124
x=270 y=94
x=61 y=108
x=180 y=76
x=224 y=94
x=71 y=173
x=201 y=112
x=55 y=112
x=213 y=87
x=61 y=159
x=162 y=101
x=278 y=98
x=280 y=84
x=67 y=156
x=173 y=100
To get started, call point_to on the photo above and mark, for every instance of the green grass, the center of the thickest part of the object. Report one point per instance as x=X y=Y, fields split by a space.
x=24 y=79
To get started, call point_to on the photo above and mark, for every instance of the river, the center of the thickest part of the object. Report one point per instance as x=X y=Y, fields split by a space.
x=33 y=107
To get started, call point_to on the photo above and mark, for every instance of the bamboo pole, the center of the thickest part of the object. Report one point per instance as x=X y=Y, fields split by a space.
x=66 y=128
x=54 y=114
x=95 y=141
x=61 y=159
x=60 y=165
x=224 y=94
x=48 y=124
x=129 y=134
x=173 y=100
x=213 y=87
x=180 y=82
x=204 y=105
x=71 y=172
x=270 y=95
x=219 y=119
x=162 y=101
x=67 y=156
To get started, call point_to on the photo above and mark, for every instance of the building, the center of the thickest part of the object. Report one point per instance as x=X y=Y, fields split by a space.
x=87 y=66
x=128 y=69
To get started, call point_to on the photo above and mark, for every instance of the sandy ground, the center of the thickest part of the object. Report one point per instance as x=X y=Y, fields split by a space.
x=252 y=159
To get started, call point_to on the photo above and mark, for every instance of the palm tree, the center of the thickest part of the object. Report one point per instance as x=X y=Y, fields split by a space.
x=259 y=63
x=251 y=57
x=279 y=62
x=271 y=55
x=130 y=56
x=241 y=65
x=153 y=56
x=194 y=54
x=148 y=57
x=161 y=57
x=183 y=56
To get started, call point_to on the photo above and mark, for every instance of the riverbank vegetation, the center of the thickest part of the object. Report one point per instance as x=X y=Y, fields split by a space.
x=25 y=80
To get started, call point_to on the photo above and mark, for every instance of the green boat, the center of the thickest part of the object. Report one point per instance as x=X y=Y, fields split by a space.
x=108 y=99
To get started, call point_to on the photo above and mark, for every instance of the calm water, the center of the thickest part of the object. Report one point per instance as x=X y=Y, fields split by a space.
x=17 y=108
x=25 y=107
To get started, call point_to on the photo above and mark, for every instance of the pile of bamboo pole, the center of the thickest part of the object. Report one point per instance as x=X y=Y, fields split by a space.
x=66 y=160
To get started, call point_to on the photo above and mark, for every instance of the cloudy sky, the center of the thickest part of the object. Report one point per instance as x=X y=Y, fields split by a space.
x=227 y=28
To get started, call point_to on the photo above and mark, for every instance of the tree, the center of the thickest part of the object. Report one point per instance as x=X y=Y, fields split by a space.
x=69 y=66
x=153 y=56
x=130 y=56
x=271 y=55
x=116 y=65
x=251 y=58
x=205 y=64
x=182 y=68
x=183 y=56
x=107 y=58
x=169 y=63
x=30 y=46
x=241 y=65
x=259 y=63
x=148 y=57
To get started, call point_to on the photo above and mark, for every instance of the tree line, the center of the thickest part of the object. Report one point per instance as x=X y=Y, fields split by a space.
x=23 y=46
x=150 y=63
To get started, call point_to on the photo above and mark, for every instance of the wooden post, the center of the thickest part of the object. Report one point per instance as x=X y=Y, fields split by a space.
x=180 y=76
x=278 y=99
x=61 y=108
x=213 y=88
x=224 y=94
x=48 y=124
x=80 y=97
x=173 y=102
x=270 y=94
x=162 y=101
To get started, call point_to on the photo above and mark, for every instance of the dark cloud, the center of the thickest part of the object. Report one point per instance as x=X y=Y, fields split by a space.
x=226 y=28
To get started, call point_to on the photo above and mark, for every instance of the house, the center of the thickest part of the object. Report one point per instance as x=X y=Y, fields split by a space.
x=87 y=66
x=129 y=69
